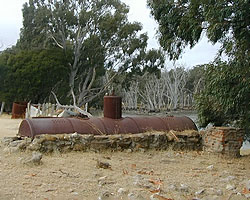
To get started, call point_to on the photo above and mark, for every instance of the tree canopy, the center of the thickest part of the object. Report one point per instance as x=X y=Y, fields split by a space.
x=226 y=95
x=182 y=23
x=30 y=75
x=95 y=36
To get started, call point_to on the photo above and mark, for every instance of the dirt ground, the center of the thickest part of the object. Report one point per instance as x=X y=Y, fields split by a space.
x=149 y=175
x=8 y=126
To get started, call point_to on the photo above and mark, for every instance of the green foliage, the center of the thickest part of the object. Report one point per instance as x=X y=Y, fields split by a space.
x=226 y=95
x=3 y=74
x=195 y=80
x=150 y=62
x=182 y=22
x=33 y=35
x=31 y=75
x=96 y=36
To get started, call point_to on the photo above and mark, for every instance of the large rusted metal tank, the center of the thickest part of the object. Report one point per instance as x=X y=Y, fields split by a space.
x=111 y=123
x=103 y=126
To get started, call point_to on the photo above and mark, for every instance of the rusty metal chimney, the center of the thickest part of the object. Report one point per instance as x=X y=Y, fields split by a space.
x=112 y=107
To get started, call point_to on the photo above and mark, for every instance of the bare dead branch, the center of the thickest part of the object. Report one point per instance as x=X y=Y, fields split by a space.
x=92 y=79
x=72 y=107
x=57 y=43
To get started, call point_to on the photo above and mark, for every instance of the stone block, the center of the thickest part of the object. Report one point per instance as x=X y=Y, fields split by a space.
x=224 y=140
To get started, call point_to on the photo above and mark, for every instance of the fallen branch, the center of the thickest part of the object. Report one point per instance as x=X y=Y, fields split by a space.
x=177 y=139
x=72 y=107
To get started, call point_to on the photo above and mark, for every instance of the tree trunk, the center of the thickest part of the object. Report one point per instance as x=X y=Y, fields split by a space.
x=2 y=107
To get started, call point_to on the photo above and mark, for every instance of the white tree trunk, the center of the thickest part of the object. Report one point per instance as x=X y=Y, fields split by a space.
x=131 y=96
x=2 y=107
x=175 y=83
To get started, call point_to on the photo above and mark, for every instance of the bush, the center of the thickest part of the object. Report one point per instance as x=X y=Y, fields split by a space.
x=225 y=98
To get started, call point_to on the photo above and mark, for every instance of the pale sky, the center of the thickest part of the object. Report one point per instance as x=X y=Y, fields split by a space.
x=11 y=22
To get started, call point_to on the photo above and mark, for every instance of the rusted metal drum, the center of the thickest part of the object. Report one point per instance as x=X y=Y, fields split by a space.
x=103 y=126
x=18 y=110
x=112 y=107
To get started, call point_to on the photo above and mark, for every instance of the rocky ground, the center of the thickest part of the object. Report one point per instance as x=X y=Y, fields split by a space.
x=159 y=175
x=124 y=175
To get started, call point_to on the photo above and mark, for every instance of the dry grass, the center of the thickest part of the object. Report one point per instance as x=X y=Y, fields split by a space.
x=75 y=175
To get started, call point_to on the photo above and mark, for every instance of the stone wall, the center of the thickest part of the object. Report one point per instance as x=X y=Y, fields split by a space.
x=224 y=140
x=186 y=140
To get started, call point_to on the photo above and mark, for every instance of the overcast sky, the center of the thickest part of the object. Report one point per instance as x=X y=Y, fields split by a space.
x=11 y=22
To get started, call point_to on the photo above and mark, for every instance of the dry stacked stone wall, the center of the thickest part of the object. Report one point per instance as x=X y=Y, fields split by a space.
x=186 y=140
x=224 y=140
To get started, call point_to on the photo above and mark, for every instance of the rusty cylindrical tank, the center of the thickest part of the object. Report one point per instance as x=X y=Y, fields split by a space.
x=112 y=107
x=18 y=110
x=103 y=126
x=111 y=123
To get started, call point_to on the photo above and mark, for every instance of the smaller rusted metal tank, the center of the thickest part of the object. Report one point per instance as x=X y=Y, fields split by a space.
x=112 y=107
x=18 y=110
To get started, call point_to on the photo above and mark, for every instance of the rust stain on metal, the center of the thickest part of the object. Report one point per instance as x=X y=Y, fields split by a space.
x=18 y=110
x=112 y=123
x=107 y=126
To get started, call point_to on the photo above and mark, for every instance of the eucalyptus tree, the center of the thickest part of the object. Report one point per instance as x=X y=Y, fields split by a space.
x=95 y=35
x=152 y=92
x=158 y=91
x=130 y=96
x=129 y=84
x=175 y=82
x=183 y=22
x=195 y=80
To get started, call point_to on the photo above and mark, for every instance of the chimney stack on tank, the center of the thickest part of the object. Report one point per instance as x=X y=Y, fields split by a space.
x=112 y=107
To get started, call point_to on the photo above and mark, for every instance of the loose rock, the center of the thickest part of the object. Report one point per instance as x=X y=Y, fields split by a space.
x=11 y=149
x=133 y=196
x=154 y=197
x=230 y=187
x=7 y=140
x=172 y=187
x=228 y=179
x=158 y=197
x=141 y=182
x=184 y=188
x=104 y=165
x=122 y=191
x=102 y=178
x=105 y=195
x=210 y=167
x=199 y=192
x=219 y=192
x=35 y=159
